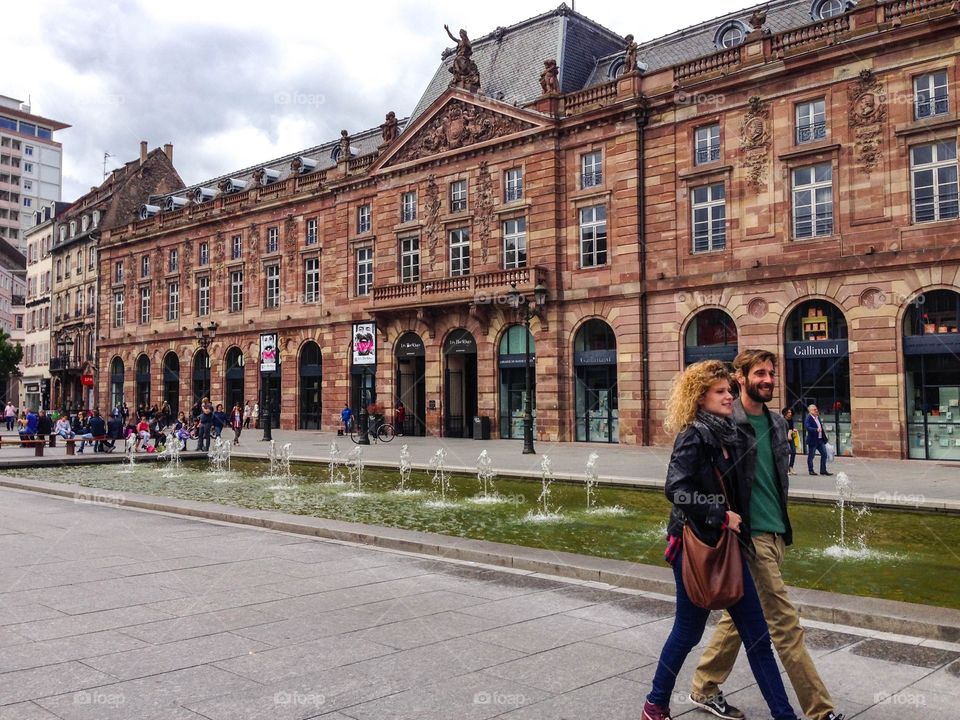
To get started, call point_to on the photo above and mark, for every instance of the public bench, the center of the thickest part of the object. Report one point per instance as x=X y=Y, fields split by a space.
x=37 y=445
x=95 y=441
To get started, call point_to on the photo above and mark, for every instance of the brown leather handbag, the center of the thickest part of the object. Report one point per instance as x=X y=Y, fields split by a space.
x=712 y=576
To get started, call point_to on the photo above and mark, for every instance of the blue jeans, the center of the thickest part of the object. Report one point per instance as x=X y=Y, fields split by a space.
x=688 y=625
x=812 y=448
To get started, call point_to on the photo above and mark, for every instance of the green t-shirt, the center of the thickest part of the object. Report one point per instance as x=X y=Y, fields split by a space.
x=765 y=513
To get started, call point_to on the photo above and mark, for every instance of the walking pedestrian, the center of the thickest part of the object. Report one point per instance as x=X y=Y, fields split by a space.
x=763 y=472
x=816 y=440
x=792 y=437
x=701 y=482
x=219 y=420
x=346 y=417
x=206 y=424
x=401 y=418
x=247 y=413
x=256 y=414
x=10 y=415
x=236 y=422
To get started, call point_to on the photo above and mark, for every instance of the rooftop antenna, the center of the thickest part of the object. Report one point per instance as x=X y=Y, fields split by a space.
x=105 y=156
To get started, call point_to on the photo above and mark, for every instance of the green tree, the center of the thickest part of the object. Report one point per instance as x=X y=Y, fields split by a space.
x=10 y=357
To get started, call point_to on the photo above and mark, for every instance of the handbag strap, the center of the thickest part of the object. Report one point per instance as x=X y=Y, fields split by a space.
x=723 y=487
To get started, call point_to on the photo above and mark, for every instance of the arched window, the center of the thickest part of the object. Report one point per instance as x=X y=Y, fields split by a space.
x=825 y=9
x=143 y=382
x=116 y=382
x=311 y=374
x=730 y=35
x=711 y=335
x=595 y=389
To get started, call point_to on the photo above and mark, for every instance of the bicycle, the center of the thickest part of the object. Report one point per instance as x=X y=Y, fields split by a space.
x=378 y=431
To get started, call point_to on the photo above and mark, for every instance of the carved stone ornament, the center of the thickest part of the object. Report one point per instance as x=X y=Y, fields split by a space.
x=758 y=19
x=549 y=78
x=390 y=128
x=457 y=125
x=630 y=55
x=757 y=308
x=464 y=69
x=484 y=209
x=873 y=298
x=218 y=250
x=867 y=113
x=755 y=142
x=253 y=241
x=290 y=233
x=432 y=226
x=188 y=256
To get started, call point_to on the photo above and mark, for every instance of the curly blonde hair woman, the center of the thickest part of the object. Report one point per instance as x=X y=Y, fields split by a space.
x=688 y=390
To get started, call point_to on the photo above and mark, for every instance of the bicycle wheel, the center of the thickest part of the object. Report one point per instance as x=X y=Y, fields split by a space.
x=386 y=432
x=354 y=435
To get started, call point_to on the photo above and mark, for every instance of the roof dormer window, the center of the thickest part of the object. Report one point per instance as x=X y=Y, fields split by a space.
x=84 y=223
x=730 y=35
x=73 y=228
x=96 y=218
x=826 y=9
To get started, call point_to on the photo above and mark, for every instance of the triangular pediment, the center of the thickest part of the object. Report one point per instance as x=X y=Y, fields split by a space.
x=456 y=121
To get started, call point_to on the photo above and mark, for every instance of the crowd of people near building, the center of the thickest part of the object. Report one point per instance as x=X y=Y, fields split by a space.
x=147 y=430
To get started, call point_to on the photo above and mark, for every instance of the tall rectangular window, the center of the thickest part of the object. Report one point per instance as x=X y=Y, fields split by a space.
x=174 y=263
x=811 y=121
x=91 y=258
x=272 y=299
x=593 y=236
x=118 y=309
x=813 y=201
x=173 y=301
x=236 y=247
x=204 y=254
x=144 y=266
x=410 y=259
x=145 y=305
x=91 y=300
x=459 y=252
x=930 y=95
x=591 y=169
x=933 y=168
x=408 y=206
x=458 y=196
x=203 y=295
x=515 y=243
x=118 y=272
x=273 y=239
x=364 y=271
x=709 y=217
x=707 y=144
x=236 y=291
x=311 y=280
x=312 y=231
x=364 y=219
x=513 y=184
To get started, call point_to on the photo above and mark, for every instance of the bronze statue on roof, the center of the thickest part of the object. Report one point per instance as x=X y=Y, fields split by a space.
x=390 y=128
x=549 y=78
x=630 y=55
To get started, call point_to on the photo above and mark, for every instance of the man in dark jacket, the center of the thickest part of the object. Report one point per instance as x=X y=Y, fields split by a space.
x=96 y=427
x=44 y=425
x=206 y=425
x=763 y=460
x=114 y=431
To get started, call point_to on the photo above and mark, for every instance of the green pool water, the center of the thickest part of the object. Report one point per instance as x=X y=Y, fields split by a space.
x=909 y=556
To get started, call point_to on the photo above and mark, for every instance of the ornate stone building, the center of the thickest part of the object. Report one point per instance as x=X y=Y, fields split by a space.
x=77 y=278
x=780 y=177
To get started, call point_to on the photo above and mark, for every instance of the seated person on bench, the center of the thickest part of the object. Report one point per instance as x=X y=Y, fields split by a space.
x=63 y=428
x=44 y=425
x=96 y=427
x=29 y=429
x=114 y=431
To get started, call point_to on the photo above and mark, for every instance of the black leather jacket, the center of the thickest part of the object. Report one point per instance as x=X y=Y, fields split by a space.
x=694 y=490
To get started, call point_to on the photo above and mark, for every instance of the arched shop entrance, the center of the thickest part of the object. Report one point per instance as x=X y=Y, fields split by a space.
x=410 y=356
x=311 y=377
x=201 y=376
x=116 y=382
x=817 y=369
x=595 y=390
x=711 y=335
x=512 y=361
x=143 y=382
x=233 y=380
x=171 y=382
x=931 y=354
x=459 y=383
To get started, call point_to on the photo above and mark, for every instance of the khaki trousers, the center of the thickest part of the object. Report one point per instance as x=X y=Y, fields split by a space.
x=786 y=634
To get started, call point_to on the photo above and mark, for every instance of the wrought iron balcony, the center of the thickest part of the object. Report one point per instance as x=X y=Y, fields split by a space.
x=485 y=288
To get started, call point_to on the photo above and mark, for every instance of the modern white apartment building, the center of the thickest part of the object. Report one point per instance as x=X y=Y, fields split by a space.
x=31 y=168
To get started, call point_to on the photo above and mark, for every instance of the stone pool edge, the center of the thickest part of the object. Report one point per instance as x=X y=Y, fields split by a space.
x=892 y=616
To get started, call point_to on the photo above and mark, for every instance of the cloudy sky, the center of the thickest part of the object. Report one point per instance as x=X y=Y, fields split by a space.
x=234 y=84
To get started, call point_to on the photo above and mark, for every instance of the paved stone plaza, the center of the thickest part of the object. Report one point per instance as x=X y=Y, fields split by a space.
x=109 y=612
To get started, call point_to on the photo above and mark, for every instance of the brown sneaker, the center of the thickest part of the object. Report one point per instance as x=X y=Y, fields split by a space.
x=654 y=712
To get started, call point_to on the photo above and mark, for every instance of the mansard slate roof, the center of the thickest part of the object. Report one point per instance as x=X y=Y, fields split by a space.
x=698 y=40
x=363 y=143
x=510 y=59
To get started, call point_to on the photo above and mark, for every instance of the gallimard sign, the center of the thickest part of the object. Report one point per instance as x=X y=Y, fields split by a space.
x=817 y=349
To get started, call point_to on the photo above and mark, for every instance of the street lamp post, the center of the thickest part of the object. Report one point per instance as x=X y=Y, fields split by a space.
x=527 y=312
x=205 y=336
x=64 y=346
